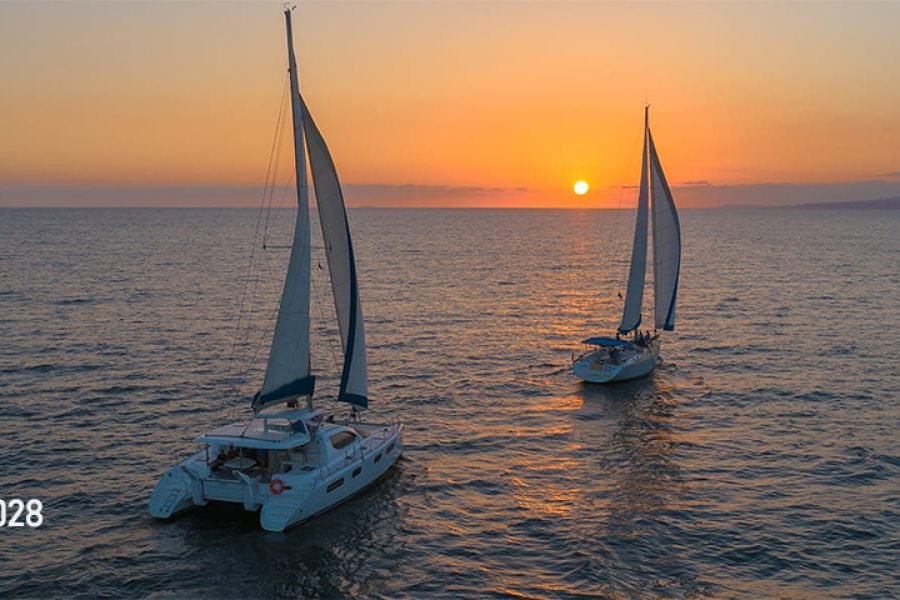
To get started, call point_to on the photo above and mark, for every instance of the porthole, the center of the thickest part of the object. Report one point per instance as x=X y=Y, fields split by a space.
x=335 y=485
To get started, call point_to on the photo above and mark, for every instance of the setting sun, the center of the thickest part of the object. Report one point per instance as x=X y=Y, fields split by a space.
x=581 y=188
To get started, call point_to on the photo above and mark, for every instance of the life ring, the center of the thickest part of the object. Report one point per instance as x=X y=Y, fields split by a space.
x=277 y=486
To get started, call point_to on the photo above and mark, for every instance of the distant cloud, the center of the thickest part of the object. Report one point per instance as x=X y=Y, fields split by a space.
x=699 y=182
x=783 y=194
x=409 y=194
x=40 y=195
x=406 y=192
x=890 y=175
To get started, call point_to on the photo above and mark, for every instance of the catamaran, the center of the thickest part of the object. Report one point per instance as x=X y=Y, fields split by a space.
x=626 y=357
x=292 y=462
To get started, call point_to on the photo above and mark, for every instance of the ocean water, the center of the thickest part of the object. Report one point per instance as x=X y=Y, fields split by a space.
x=762 y=458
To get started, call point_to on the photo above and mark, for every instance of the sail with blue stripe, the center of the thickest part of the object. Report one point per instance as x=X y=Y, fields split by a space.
x=341 y=264
x=666 y=244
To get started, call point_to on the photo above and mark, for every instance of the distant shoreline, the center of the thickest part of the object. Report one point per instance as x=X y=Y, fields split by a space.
x=876 y=204
x=880 y=203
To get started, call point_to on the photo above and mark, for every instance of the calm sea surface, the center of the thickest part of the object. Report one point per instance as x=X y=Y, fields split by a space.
x=761 y=458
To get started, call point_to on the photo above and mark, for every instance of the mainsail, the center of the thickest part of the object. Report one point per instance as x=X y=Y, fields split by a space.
x=341 y=264
x=666 y=244
x=634 y=294
x=288 y=371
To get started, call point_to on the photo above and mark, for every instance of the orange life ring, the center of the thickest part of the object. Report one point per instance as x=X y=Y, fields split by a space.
x=276 y=486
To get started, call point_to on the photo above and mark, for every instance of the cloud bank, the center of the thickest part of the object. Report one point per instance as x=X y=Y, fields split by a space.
x=387 y=195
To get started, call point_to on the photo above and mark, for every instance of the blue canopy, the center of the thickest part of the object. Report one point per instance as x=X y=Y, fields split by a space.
x=604 y=341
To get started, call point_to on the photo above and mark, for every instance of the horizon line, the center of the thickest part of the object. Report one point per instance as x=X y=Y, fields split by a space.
x=690 y=194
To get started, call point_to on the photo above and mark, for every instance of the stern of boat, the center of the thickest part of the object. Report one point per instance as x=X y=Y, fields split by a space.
x=175 y=493
x=597 y=367
x=280 y=511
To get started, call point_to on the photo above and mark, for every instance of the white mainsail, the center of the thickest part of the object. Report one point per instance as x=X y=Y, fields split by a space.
x=634 y=294
x=666 y=244
x=288 y=370
x=341 y=264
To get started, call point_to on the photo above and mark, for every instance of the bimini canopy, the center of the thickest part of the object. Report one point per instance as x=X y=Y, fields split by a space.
x=604 y=341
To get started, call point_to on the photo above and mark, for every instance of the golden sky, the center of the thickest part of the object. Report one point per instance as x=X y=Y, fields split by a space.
x=454 y=103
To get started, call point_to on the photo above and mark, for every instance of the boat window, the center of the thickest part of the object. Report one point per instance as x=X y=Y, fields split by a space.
x=391 y=447
x=377 y=457
x=335 y=485
x=342 y=439
x=357 y=471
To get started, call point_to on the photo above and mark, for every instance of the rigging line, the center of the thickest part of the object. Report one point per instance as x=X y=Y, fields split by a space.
x=271 y=173
x=278 y=145
x=262 y=256
x=277 y=162
x=268 y=329
x=266 y=261
x=278 y=128
x=260 y=342
x=282 y=203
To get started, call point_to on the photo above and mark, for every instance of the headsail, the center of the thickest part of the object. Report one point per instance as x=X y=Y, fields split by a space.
x=634 y=294
x=666 y=244
x=341 y=264
x=288 y=371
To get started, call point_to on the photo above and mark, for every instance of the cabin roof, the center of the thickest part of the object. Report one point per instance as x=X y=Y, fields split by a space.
x=271 y=433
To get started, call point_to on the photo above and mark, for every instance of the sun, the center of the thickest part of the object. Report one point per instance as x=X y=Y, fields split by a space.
x=581 y=187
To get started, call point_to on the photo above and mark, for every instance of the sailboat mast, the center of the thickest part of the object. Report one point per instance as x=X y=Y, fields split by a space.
x=299 y=155
x=650 y=199
x=296 y=114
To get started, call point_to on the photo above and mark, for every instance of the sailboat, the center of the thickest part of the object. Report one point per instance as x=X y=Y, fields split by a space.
x=291 y=461
x=633 y=353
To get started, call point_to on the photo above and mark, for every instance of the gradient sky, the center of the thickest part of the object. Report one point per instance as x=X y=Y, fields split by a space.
x=452 y=103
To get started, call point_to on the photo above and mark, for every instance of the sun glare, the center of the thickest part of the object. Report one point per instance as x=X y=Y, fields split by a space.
x=581 y=187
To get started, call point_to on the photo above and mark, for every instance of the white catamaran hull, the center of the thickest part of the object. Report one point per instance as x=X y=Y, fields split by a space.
x=598 y=367
x=302 y=491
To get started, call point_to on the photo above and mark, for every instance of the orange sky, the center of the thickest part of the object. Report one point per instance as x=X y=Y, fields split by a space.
x=491 y=103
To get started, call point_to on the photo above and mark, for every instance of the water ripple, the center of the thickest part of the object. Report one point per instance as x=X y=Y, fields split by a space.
x=761 y=459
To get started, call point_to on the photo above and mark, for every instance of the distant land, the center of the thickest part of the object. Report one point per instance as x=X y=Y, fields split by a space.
x=892 y=203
